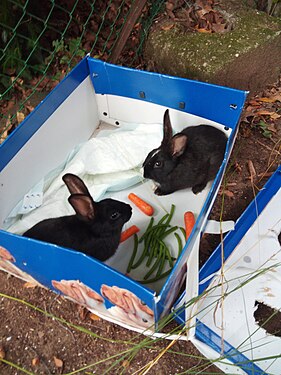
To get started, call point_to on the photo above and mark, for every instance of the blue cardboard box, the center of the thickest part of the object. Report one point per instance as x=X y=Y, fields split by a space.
x=97 y=101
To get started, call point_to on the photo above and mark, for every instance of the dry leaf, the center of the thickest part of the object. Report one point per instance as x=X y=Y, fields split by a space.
x=271 y=128
x=2 y=352
x=168 y=27
x=126 y=363
x=265 y=113
x=271 y=99
x=237 y=167
x=83 y=312
x=29 y=285
x=267 y=100
x=251 y=169
x=10 y=105
x=218 y=27
x=20 y=117
x=29 y=107
x=58 y=362
x=254 y=103
x=228 y=193
x=94 y=317
x=35 y=361
x=204 y=31
x=275 y=116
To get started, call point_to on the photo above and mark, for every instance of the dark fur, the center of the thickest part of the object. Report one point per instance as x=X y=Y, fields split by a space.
x=92 y=230
x=190 y=158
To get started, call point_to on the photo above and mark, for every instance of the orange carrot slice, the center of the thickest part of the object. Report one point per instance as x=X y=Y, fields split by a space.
x=145 y=207
x=189 y=221
x=128 y=233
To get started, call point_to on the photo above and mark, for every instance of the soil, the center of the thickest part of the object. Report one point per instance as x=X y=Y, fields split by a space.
x=34 y=340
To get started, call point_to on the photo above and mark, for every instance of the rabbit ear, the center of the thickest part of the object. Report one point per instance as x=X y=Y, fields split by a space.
x=167 y=130
x=75 y=184
x=83 y=205
x=178 y=145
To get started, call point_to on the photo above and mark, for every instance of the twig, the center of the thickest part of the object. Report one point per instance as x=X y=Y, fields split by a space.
x=268 y=148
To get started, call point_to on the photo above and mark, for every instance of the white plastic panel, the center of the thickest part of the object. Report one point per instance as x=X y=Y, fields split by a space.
x=121 y=109
x=73 y=122
x=255 y=264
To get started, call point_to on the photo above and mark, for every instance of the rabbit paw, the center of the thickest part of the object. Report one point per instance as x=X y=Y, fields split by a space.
x=158 y=191
x=198 y=188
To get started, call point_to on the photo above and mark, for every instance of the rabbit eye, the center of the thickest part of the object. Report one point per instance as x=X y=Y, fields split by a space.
x=115 y=215
x=144 y=320
x=158 y=164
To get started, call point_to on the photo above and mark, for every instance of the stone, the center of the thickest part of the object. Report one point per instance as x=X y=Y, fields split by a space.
x=248 y=57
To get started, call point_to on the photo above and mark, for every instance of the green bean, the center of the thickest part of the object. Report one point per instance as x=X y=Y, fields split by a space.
x=163 y=259
x=171 y=214
x=155 y=228
x=153 y=268
x=140 y=260
x=183 y=231
x=169 y=231
x=163 y=219
x=148 y=281
x=152 y=252
x=154 y=246
x=147 y=229
x=136 y=242
x=169 y=257
x=179 y=244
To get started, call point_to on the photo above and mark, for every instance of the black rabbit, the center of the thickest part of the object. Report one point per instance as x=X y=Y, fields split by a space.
x=190 y=158
x=95 y=229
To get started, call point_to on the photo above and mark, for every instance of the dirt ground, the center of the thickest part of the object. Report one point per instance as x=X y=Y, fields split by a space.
x=41 y=344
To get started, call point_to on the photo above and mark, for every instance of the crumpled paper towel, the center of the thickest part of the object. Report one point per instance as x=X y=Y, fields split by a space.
x=111 y=161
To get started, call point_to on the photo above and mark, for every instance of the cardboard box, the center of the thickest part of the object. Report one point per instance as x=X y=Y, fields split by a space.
x=97 y=100
x=251 y=281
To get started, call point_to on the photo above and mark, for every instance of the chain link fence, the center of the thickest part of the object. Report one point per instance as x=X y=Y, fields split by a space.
x=41 y=41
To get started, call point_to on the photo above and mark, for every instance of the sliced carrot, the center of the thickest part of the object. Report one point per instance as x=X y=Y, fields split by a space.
x=189 y=221
x=141 y=204
x=129 y=232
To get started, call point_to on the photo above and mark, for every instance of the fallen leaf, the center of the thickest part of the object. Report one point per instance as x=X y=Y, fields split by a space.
x=271 y=128
x=237 y=167
x=167 y=27
x=271 y=99
x=58 y=362
x=20 y=117
x=204 y=31
x=29 y=285
x=126 y=363
x=251 y=169
x=2 y=352
x=275 y=116
x=30 y=108
x=218 y=27
x=35 y=361
x=265 y=113
x=94 y=317
x=266 y=100
x=254 y=103
x=10 y=105
x=83 y=312
x=228 y=193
